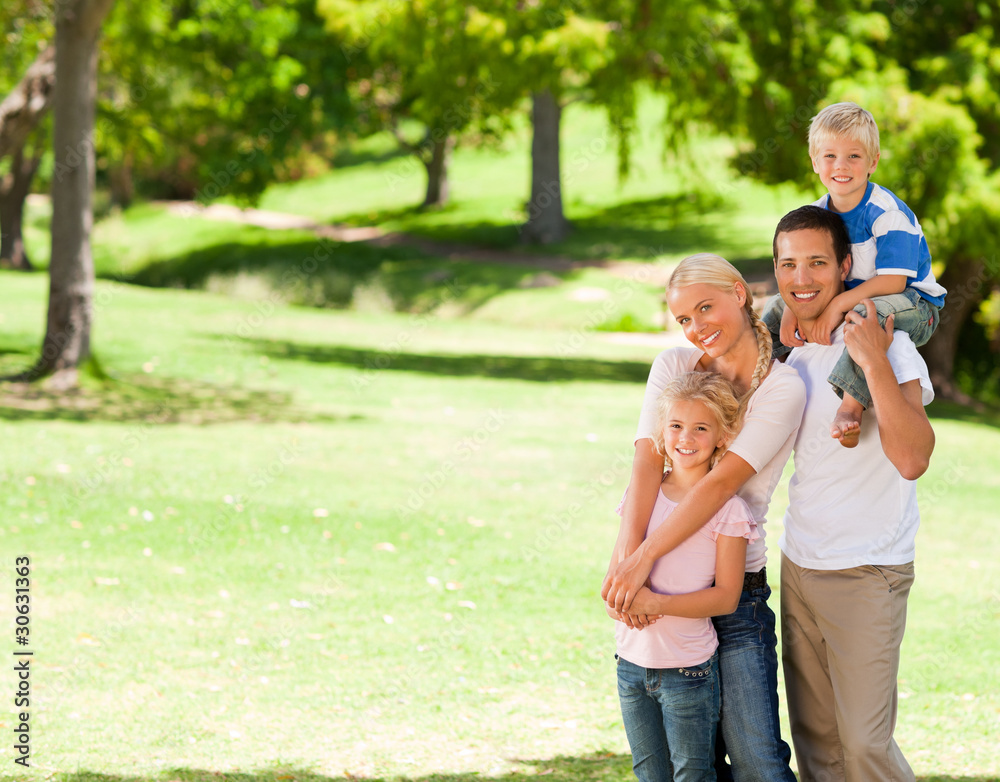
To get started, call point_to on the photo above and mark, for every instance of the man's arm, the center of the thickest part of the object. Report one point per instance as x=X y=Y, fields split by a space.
x=701 y=503
x=906 y=433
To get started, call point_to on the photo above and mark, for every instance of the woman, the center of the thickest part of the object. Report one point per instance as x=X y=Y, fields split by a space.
x=711 y=301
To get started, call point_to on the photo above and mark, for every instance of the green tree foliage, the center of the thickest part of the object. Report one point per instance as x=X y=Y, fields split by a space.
x=428 y=63
x=207 y=98
x=27 y=27
x=27 y=77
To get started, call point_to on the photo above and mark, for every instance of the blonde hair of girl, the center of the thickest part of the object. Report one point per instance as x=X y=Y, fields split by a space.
x=712 y=390
x=714 y=270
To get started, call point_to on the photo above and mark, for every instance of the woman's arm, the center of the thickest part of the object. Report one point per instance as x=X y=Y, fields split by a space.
x=721 y=598
x=691 y=514
x=647 y=473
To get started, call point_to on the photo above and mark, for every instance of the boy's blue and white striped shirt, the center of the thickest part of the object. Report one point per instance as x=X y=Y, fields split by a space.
x=886 y=238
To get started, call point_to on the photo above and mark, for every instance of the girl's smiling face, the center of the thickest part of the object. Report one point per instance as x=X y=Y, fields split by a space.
x=691 y=434
x=713 y=319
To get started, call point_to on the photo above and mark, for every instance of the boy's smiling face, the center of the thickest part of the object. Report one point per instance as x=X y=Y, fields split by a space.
x=843 y=166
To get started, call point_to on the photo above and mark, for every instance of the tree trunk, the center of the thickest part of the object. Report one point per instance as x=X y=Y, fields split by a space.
x=71 y=273
x=24 y=107
x=964 y=280
x=546 y=222
x=437 y=172
x=14 y=190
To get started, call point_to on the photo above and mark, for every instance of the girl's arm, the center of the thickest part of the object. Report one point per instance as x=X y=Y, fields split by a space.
x=701 y=503
x=721 y=598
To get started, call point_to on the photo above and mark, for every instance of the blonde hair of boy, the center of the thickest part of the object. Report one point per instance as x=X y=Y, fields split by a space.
x=844 y=120
x=714 y=270
x=712 y=390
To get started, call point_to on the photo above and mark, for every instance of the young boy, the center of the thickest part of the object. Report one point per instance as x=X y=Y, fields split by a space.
x=890 y=260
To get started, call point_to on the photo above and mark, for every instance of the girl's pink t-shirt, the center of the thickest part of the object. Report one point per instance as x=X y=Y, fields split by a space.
x=673 y=641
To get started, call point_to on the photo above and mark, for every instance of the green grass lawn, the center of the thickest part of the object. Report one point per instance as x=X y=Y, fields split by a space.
x=343 y=511
x=669 y=207
x=292 y=543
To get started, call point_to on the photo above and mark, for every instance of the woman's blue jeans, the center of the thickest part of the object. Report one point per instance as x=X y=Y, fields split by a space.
x=671 y=716
x=750 y=732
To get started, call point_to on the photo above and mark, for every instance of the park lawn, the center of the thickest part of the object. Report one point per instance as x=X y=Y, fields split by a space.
x=150 y=245
x=670 y=205
x=289 y=543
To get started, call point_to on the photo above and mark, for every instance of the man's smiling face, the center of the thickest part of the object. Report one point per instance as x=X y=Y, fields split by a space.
x=807 y=272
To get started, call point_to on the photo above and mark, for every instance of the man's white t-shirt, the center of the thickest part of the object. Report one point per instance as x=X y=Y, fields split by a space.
x=848 y=506
x=764 y=441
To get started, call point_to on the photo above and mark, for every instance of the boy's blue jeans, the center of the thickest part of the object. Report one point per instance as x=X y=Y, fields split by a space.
x=914 y=315
x=670 y=717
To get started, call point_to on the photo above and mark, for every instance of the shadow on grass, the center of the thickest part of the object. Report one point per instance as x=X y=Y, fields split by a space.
x=539 y=368
x=323 y=273
x=590 y=768
x=152 y=401
x=983 y=415
x=677 y=224
x=346 y=157
x=671 y=224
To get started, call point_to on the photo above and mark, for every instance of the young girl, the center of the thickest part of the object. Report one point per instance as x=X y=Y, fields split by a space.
x=668 y=673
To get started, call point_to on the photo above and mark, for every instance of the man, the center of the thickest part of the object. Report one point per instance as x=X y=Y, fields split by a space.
x=848 y=545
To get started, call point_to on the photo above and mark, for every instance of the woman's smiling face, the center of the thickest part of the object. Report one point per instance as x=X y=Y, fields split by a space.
x=713 y=319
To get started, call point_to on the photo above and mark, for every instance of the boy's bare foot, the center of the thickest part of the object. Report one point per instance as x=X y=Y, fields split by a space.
x=846 y=425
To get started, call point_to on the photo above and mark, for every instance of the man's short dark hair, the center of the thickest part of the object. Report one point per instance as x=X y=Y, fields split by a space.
x=815 y=217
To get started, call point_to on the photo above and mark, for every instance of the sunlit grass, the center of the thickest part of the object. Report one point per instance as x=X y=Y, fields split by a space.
x=313 y=543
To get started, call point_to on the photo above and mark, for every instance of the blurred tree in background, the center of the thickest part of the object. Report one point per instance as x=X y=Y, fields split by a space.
x=27 y=78
x=208 y=99
x=423 y=63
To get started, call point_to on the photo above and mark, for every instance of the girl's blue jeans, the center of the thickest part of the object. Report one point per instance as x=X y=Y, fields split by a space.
x=670 y=717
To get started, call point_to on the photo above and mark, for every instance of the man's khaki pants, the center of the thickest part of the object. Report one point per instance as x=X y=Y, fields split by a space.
x=840 y=634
